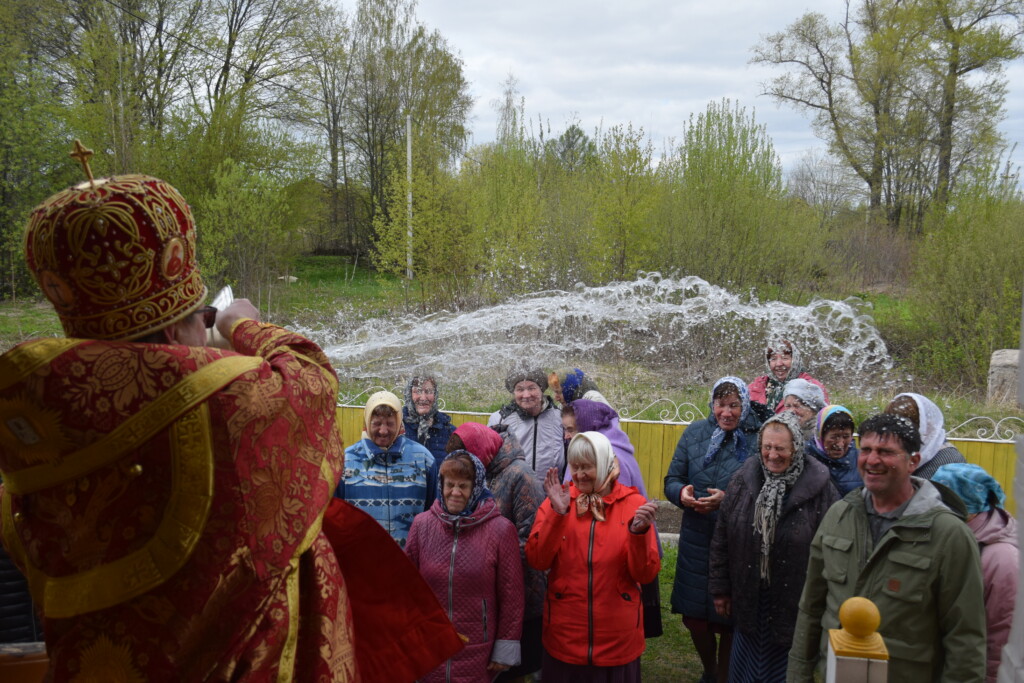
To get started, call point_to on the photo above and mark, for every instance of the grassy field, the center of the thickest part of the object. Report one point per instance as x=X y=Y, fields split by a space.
x=670 y=657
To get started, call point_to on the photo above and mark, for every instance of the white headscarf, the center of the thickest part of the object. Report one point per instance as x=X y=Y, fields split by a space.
x=607 y=472
x=930 y=426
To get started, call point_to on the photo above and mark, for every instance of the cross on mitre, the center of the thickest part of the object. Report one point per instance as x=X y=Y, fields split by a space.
x=82 y=154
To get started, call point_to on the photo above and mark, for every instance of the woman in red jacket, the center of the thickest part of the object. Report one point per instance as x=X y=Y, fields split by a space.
x=596 y=538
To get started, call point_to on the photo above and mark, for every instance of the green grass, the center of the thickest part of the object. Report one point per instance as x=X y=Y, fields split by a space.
x=670 y=657
x=27 y=319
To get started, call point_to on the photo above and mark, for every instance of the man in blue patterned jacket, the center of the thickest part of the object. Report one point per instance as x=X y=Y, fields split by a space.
x=390 y=477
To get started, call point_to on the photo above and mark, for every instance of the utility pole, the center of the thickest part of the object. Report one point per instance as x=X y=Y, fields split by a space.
x=408 y=174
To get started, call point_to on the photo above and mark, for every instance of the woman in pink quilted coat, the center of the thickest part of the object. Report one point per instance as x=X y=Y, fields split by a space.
x=469 y=555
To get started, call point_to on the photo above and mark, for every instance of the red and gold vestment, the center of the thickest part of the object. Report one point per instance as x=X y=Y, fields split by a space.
x=165 y=503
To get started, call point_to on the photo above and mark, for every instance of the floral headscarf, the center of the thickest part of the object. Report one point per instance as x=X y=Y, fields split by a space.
x=607 y=472
x=478 y=494
x=423 y=422
x=775 y=387
x=719 y=435
x=773 y=492
x=977 y=488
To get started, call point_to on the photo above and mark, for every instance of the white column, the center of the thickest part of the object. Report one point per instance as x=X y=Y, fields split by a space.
x=1012 y=668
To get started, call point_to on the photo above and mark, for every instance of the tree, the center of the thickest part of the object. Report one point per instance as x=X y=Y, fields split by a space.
x=888 y=91
x=400 y=69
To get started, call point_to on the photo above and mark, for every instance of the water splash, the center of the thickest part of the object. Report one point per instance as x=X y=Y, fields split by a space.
x=666 y=332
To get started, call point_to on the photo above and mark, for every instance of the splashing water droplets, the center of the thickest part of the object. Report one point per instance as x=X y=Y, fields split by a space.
x=680 y=330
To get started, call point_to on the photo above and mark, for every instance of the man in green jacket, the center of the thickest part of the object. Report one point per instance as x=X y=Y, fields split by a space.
x=901 y=542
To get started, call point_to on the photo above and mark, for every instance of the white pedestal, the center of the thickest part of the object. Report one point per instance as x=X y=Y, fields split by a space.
x=855 y=669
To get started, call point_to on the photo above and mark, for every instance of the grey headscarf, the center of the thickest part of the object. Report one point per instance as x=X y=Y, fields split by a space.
x=423 y=422
x=773 y=492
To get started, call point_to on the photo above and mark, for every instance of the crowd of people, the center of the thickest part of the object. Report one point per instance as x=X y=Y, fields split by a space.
x=179 y=512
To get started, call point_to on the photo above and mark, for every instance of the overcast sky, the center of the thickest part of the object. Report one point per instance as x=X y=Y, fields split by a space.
x=651 y=63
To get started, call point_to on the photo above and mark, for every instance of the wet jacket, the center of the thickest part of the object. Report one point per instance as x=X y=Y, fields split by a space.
x=759 y=389
x=437 y=434
x=736 y=549
x=690 y=594
x=842 y=470
x=472 y=565
x=996 y=532
x=392 y=486
x=924 y=576
x=592 y=614
x=540 y=436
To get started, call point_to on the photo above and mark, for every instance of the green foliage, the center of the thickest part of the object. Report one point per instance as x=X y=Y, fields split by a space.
x=968 y=280
x=247 y=234
x=727 y=217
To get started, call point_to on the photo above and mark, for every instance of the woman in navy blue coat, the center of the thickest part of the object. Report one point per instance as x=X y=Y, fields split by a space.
x=708 y=454
x=424 y=423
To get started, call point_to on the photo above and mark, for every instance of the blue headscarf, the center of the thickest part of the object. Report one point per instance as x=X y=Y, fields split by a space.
x=571 y=384
x=719 y=435
x=977 y=488
x=478 y=494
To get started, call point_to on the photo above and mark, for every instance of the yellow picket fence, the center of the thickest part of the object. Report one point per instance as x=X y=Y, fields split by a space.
x=655 y=442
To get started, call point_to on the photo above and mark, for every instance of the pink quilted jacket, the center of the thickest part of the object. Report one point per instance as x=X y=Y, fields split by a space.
x=473 y=567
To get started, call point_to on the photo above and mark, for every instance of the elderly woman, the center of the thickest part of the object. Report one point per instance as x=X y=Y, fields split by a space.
x=996 y=532
x=534 y=419
x=926 y=416
x=708 y=454
x=469 y=556
x=834 y=447
x=424 y=423
x=596 y=538
x=518 y=495
x=759 y=553
x=782 y=358
x=590 y=416
x=804 y=399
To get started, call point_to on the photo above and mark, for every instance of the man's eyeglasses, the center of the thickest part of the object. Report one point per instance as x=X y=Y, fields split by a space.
x=209 y=314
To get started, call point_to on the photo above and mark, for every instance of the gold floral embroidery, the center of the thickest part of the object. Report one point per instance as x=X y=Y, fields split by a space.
x=106 y=662
x=36 y=433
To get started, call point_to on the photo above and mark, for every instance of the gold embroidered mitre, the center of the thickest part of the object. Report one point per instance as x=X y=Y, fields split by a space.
x=116 y=256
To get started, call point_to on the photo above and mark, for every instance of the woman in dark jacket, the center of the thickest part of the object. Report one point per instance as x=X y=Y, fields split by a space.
x=424 y=423
x=759 y=552
x=708 y=454
x=833 y=446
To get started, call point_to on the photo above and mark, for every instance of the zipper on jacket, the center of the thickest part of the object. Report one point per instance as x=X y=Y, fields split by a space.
x=451 y=586
x=590 y=594
x=485 y=620
x=535 y=443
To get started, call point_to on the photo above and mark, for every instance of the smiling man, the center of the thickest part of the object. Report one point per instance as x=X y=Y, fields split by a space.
x=901 y=542
x=388 y=476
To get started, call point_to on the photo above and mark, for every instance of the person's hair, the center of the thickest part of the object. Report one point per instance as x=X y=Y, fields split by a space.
x=725 y=389
x=454 y=444
x=896 y=425
x=837 y=420
x=581 y=451
x=905 y=406
x=567 y=409
x=458 y=466
x=383 y=410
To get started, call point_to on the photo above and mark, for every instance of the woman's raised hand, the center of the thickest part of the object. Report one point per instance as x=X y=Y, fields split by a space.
x=557 y=492
x=644 y=517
